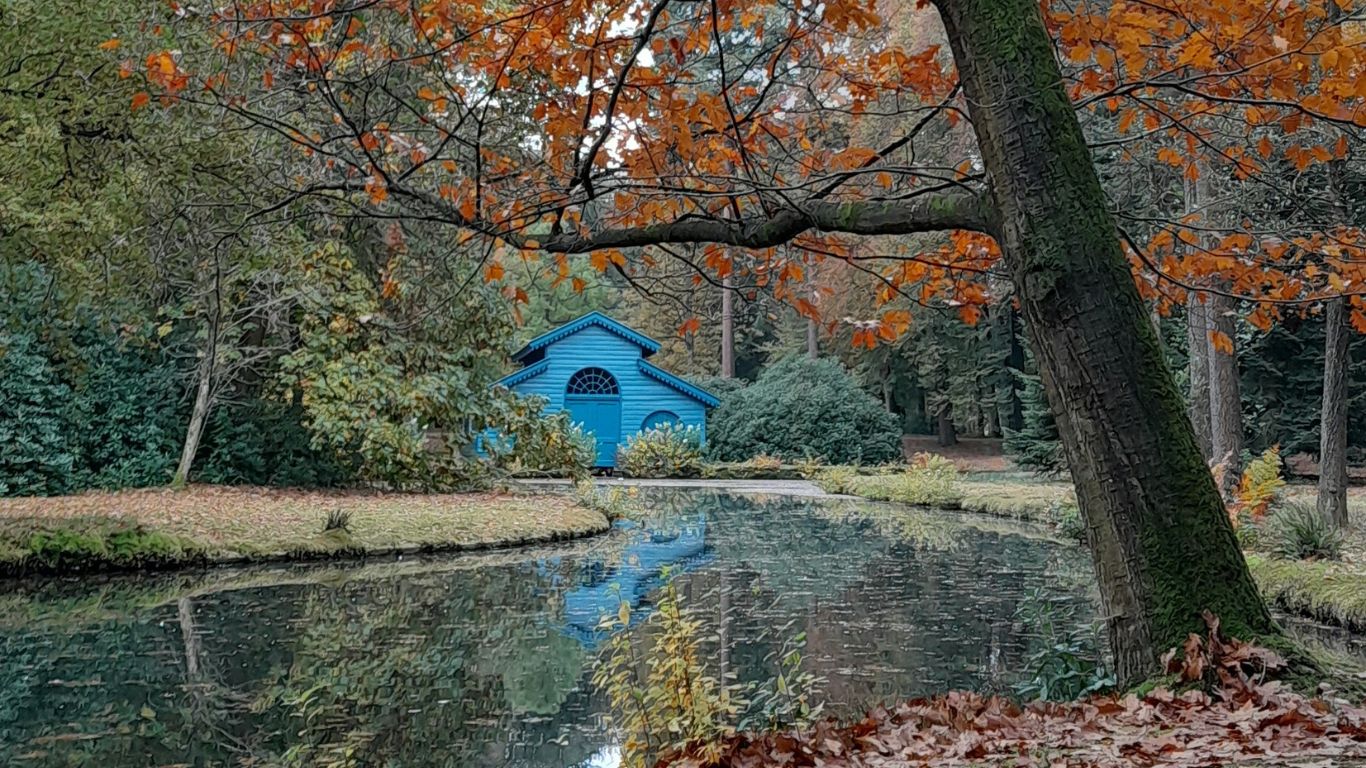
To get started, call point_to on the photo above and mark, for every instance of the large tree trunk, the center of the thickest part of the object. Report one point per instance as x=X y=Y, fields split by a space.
x=727 y=328
x=1333 y=425
x=1161 y=541
x=813 y=349
x=1225 y=394
x=1197 y=336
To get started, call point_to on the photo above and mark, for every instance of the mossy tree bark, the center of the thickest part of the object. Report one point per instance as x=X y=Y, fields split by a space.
x=1162 y=545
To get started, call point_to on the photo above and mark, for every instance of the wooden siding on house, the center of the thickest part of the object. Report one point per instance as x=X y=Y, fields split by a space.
x=645 y=391
x=640 y=395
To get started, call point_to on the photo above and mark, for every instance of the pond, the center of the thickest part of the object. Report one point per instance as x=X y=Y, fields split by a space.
x=487 y=660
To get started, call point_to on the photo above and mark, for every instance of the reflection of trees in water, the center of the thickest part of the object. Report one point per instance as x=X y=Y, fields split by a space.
x=474 y=667
x=405 y=671
x=112 y=694
x=430 y=677
x=930 y=604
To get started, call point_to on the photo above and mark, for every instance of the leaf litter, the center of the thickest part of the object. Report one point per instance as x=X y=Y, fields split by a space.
x=1225 y=710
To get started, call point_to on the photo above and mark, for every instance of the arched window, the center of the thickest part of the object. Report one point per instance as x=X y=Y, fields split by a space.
x=659 y=419
x=593 y=381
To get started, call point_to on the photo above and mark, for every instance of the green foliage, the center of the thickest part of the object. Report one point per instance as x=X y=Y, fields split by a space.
x=663 y=699
x=666 y=701
x=1035 y=446
x=73 y=153
x=838 y=480
x=265 y=443
x=761 y=467
x=74 y=545
x=1297 y=531
x=1281 y=385
x=378 y=376
x=532 y=443
x=1065 y=658
x=930 y=481
x=125 y=413
x=37 y=456
x=804 y=408
x=1065 y=517
x=787 y=700
x=665 y=451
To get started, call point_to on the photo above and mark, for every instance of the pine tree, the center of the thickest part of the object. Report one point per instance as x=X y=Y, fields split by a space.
x=1035 y=446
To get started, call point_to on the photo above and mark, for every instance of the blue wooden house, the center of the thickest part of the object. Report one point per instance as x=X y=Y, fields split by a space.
x=596 y=368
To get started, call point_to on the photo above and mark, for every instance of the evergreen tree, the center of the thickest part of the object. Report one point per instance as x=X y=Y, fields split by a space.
x=1035 y=445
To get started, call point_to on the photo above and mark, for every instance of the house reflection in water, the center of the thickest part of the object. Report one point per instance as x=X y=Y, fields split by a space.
x=651 y=552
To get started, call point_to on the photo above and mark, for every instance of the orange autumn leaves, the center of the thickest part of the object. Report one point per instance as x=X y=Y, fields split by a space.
x=1250 y=93
x=520 y=120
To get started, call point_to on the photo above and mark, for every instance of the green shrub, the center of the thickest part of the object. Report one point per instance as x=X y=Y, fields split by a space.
x=930 y=481
x=839 y=480
x=1035 y=446
x=800 y=409
x=126 y=414
x=1065 y=660
x=531 y=443
x=1298 y=532
x=38 y=456
x=264 y=443
x=665 y=451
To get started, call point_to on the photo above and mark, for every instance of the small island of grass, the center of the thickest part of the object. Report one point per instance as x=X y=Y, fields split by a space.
x=200 y=525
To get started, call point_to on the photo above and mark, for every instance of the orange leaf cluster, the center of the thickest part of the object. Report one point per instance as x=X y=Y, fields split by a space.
x=530 y=121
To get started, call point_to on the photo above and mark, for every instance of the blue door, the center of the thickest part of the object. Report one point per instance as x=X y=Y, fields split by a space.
x=593 y=400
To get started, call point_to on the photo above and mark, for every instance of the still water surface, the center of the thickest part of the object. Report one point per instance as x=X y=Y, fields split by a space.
x=487 y=660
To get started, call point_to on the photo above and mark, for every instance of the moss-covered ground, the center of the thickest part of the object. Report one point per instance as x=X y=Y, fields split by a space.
x=163 y=528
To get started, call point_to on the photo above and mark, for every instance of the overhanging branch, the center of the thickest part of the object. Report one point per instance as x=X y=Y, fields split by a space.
x=928 y=213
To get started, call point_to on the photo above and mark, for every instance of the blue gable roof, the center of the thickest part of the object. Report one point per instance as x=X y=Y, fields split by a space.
x=528 y=354
x=664 y=377
x=517 y=377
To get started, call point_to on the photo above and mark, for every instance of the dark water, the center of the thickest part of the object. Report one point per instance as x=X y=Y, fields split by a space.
x=486 y=661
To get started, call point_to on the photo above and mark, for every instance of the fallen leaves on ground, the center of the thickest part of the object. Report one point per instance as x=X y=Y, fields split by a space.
x=257 y=520
x=1244 y=719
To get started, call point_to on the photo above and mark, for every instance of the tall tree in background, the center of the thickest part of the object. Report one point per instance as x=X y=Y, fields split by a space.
x=476 y=117
x=1332 y=501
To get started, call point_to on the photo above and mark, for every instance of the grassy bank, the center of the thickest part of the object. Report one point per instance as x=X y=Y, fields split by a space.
x=160 y=528
x=1015 y=495
x=1332 y=592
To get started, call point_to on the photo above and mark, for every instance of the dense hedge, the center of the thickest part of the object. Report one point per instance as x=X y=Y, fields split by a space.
x=90 y=410
x=802 y=409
